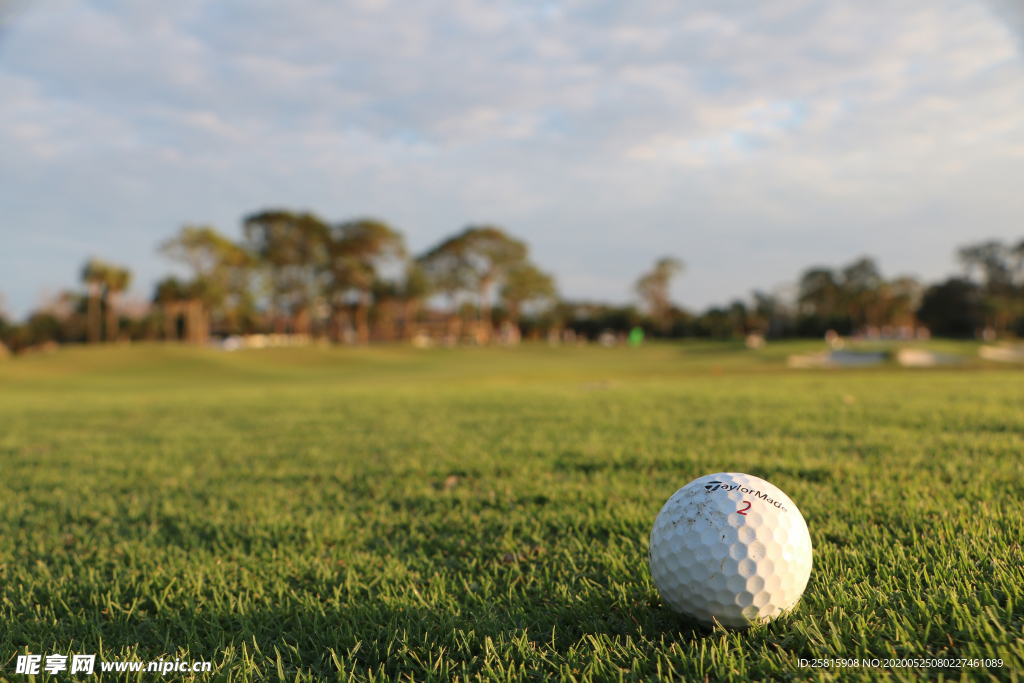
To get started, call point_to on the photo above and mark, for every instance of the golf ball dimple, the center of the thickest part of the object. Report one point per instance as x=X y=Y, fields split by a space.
x=730 y=548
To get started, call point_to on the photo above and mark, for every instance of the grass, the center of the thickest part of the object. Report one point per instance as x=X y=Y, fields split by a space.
x=392 y=514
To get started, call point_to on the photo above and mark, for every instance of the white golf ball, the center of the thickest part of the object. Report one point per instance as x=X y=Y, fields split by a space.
x=730 y=548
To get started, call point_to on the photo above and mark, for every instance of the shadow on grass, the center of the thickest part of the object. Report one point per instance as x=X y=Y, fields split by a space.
x=375 y=640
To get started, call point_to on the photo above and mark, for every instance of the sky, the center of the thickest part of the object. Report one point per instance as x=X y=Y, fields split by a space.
x=750 y=140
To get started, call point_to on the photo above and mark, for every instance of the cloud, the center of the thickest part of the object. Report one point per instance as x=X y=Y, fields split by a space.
x=755 y=138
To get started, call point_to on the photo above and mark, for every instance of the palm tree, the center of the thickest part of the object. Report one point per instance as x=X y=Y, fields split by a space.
x=117 y=280
x=94 y=275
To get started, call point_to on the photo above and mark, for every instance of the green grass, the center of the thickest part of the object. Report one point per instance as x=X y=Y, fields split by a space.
x=392 y=514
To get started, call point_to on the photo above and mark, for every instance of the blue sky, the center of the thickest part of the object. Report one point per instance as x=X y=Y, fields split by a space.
x=750 y=140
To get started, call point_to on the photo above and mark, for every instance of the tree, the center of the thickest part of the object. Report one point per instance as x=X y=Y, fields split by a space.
x=1001 y=268
x=476 y=259
x=859 y=291
x=993 y=260
x=175 y=300
x=855 y=296
x=386 y=295
x=445 y=272
x=117 y=280
x=770 y=315
x=716 y=322
x=898 y=299
x=952 y=308
x=94 y=275
x=295 y=250
x=820 y=293
x=490 y=254
x=221 y=269
x=6 y=329
x=524 y=283
x=740 y=318
x=171 y=289
x=415 y=288
x=357 y=250
x=653 y=288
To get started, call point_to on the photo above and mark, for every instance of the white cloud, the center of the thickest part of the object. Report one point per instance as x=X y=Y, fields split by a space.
x=757 y=138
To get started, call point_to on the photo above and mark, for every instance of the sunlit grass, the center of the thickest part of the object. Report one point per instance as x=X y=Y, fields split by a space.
x=391 y=513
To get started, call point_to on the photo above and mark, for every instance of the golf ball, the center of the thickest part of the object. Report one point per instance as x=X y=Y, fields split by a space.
x=730 y=548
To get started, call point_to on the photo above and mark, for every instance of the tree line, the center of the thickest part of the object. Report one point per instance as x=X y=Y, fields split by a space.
x=297 y=275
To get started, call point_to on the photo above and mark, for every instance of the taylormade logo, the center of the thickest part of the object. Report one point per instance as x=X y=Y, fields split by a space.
x=713 y=486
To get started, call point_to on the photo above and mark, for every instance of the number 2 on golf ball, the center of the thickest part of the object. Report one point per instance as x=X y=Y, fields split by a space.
x=730 y=548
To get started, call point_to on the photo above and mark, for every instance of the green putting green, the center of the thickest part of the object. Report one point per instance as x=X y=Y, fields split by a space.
x=401 y=514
